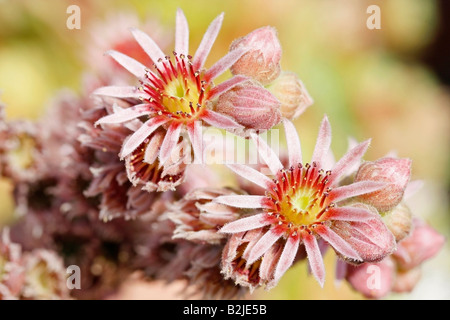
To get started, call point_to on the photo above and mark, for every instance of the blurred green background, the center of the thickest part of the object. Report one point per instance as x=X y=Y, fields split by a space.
x=371 y=83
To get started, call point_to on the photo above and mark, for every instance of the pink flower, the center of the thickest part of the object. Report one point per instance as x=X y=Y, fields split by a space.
x=304 y=203
x=423 y=244
x=178 y=94
x=251 y=105
x=401 y=271
x=112 y=32
x=395 y=172
x=373 y=280
x=262 y=62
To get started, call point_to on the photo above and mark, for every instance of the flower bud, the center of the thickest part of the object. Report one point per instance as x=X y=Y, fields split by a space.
x=395 y=172
x=371 y=238
x=373 y=280
x=292 y=94
x=422 y=244
x=399 y=221
x=251 y=105
x=262 y=61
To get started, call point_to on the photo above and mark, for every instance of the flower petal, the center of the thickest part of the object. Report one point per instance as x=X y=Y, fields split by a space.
x=370 y=238
x=140 y=135
x=268 y=155
x=147 y=43
x=226 y=85
x=119 y=92
x=194 y=130
x=223 y=64
x=244 y=224
x=355 y=189
x=251 y=175
x=134 y=67
x=287 y=258
x=263 y=244
x=207 y=42
x=412 y=188
x=181 y=33
x=337 y=242
x=221 y=121
x=314 y=257
x=294 y=148
x=170 y=140
x=242 y=201
x=127 y=114
x=349 y=214
x=348 y=160
x=323 y=142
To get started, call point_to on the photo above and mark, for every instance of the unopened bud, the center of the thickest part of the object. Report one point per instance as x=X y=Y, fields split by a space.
x=399 y=221
x=262 y=61
x=396 y=174
x=422 y=244
x=251 y=105
x=292 y=94
x=373 y=280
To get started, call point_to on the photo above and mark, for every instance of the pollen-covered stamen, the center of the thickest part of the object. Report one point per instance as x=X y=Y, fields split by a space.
x=176 y=90
x=299 y=198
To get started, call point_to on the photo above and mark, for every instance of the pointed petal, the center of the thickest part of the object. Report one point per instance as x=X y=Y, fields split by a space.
x=348 y=160
x=140 y=135
x=170 y=141
x=294 y=148
x=119 y=92
x=147 y=43
x=134 y=67
x=268 y=155
x=127 y=114
x=314 y=257
x=244 y=224
x=355 y=189
x=194 y=130
x=349 y=214
x=221 y=121
x=268 y=264
x=223 y=64
x=226 y=85
x=242 y=201
x=207 y=42
x=412 y=188
x=287 y=257
x=339 y=244
x=263 y=244
x=181 y=34
x=323 y=142
x=251 y=175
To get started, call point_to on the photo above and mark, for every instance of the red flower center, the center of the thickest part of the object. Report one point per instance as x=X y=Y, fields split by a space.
x=176 y=90
x=299 y=198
